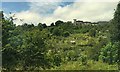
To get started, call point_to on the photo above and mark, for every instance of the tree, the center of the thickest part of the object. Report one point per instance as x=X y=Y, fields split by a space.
x=116 y=24
x=92 y=32
x=57 y=59
x=52 y=24
x=44 y=25
x=84 y=59
x=115 y=37
x=8 y=52
x=57 y=23
x=30 y=26
x=10 y=57
x=34 y=51
x=66 y=34
x=109 y=53
x=72 y=55
x=40 y=26
x=27 y=27
x=57 y=32
x=1 y=15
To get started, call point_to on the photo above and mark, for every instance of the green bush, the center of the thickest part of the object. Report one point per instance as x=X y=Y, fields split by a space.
x=66 y=34
x=109 y=53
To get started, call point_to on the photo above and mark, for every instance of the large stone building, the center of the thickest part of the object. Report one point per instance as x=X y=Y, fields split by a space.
x=80 y=22
x=89 y=23
x=77 y=22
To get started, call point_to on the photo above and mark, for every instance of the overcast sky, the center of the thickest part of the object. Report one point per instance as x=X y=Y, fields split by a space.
x=48 y=12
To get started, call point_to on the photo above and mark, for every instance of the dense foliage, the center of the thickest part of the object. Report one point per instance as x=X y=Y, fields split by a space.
x=62 y=45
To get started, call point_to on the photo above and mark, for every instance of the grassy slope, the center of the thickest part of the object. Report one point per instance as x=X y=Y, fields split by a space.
x=81 y=40
x=92 y=65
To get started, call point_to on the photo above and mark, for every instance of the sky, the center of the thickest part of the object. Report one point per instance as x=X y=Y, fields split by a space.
x=48 y=12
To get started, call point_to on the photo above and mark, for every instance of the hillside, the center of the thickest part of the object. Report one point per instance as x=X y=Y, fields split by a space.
x=60 y=46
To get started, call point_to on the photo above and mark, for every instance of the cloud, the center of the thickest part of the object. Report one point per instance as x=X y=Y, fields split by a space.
x=44 y=8
x=96 y=0
x=52 y=11
x=93 y=11
x=27 y=17
x=38 y=12
x=59 y=0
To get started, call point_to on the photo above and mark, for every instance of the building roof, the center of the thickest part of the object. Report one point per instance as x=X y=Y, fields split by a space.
x=79 y=21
